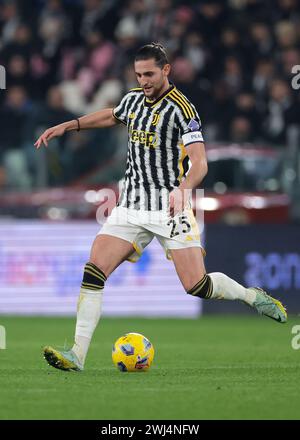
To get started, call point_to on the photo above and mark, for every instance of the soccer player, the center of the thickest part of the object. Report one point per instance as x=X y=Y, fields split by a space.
x=166 y=159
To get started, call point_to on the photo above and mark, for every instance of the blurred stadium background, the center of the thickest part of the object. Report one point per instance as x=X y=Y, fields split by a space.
x=65 y=58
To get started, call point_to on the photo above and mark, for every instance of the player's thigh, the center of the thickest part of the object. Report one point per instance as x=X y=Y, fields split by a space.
x=109 y=251
x=189 y=265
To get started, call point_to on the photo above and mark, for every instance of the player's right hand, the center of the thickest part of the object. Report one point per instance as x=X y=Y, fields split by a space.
x=57 y=130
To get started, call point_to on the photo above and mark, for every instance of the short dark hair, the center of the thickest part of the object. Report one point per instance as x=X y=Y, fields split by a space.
x=153 y=50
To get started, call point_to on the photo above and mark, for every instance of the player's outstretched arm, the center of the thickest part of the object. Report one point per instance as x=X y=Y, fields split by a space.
x=101 y=119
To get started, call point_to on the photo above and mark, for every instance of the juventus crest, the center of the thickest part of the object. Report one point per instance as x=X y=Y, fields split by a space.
x=155 y=119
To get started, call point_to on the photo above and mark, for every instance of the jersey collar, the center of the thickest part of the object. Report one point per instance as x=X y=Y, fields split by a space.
x=148 y=103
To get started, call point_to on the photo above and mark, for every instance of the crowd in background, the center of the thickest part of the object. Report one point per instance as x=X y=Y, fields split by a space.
x=65 y=58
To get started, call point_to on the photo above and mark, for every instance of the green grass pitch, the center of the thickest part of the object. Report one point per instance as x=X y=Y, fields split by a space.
x=229 y=367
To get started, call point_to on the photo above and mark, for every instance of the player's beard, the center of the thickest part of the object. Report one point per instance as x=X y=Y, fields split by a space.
x=155 y=91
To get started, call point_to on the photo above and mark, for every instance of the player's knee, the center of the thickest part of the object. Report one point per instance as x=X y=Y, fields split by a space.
x=203 y=288
x=99 y=258
x=93 y=277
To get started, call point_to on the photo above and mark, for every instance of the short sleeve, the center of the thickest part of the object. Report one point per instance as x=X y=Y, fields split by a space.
x=121 y=111
x=190 y=126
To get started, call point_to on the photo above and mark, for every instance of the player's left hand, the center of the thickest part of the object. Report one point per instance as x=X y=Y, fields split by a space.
x=178 y=199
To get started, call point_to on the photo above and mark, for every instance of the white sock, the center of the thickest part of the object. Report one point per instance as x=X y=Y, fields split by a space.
x=88 y=315
x=226 y=288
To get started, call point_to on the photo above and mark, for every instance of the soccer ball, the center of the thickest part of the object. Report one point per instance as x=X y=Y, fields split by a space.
x=132 y=352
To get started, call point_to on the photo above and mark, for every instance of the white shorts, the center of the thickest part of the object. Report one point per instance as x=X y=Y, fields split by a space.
x=140 y=227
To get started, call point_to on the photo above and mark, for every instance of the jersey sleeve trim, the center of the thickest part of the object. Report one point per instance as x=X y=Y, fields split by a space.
x=119 y=120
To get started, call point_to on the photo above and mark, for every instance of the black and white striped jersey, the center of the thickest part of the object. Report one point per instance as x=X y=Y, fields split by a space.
x=158 y=133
